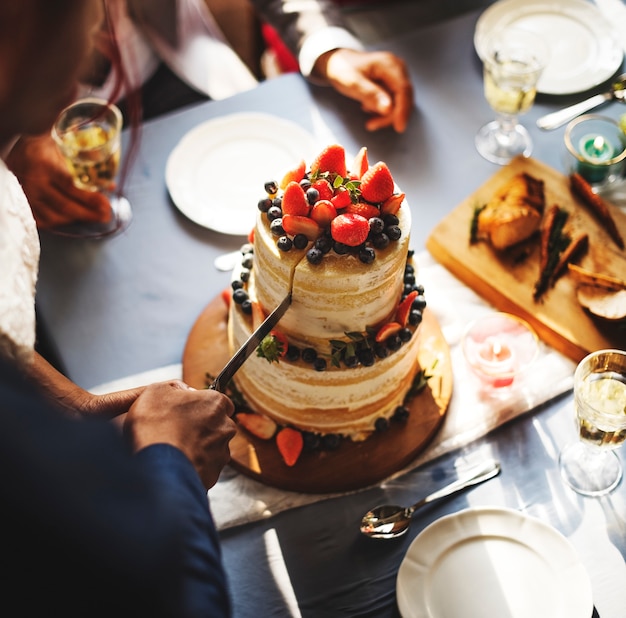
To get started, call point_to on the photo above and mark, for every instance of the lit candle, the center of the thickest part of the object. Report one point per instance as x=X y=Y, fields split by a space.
x=498 y=347
x=596 y=151
x=495 y=352
x=495 y=359
x=596 y=148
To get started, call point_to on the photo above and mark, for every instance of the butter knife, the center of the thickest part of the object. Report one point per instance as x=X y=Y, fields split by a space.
x=231 y=367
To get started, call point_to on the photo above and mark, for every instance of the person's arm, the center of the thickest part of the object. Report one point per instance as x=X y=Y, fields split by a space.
x=100 y=531
x=72 y=398
x=204 y=584
x=378 y=80
x=49 y=187
x=328 y=52
x=197 y=427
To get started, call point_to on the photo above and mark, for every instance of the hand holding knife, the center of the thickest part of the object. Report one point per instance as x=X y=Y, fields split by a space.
x=224 y=377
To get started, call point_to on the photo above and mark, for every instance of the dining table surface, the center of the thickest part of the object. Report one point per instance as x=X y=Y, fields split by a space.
x=124 y=305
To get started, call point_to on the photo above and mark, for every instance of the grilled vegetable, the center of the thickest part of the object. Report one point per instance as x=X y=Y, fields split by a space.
x=558 y=248
x=582 y=189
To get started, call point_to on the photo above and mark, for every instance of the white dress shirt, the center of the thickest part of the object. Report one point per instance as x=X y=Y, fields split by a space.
x=184 y=35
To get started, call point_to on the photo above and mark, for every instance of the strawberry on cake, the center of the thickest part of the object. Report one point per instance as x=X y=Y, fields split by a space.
x=343 y=358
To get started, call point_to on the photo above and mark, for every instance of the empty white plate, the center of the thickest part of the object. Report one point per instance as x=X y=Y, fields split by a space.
x=216 y=173
x=492 y=561
x=585 y=50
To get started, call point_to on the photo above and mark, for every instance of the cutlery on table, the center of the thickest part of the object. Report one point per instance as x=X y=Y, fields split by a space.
x=231 y=367
x=389 y=521
x=558 y=119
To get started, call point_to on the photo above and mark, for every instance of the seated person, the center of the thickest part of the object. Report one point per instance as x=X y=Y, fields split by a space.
x=96 y=525
x=181 y=37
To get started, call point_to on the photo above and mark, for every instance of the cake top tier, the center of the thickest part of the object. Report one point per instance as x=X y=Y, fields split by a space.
x=351 y=210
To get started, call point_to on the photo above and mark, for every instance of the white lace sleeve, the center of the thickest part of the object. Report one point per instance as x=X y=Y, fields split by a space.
x=19 y=264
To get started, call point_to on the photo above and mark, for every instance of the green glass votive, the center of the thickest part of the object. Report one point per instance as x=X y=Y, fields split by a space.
x=596 y=149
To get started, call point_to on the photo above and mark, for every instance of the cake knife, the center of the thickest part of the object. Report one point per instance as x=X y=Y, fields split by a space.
x=231 y=367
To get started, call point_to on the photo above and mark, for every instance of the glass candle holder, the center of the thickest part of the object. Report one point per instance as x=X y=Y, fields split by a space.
x=499 y=347
x=595 y=149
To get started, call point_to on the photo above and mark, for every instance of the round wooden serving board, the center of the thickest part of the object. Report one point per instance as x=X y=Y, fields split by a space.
x=353 y=465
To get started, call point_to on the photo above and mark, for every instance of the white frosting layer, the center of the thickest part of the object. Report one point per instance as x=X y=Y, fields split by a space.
x=329 y=299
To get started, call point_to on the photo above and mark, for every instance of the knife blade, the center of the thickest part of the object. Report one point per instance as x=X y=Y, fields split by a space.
x=231 y=367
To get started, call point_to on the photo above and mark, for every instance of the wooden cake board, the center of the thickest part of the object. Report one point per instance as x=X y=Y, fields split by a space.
x=353 y=465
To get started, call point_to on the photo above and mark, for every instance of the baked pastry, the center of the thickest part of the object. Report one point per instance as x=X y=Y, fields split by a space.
x=514 y=212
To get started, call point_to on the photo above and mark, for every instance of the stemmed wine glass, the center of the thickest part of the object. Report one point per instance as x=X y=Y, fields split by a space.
x=88 y=135
x=590 y=466
x=512 y=64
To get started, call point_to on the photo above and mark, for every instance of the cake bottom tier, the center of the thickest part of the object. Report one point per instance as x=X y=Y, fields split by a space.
x=353 y=465
x=345 y=401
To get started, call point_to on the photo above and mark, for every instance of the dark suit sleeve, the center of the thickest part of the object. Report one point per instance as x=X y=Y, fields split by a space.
x=90 y=530
x=204 y=584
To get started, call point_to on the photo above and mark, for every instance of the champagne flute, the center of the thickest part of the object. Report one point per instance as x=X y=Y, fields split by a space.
x=512 y=64
x=88 y=135
x=590 y=466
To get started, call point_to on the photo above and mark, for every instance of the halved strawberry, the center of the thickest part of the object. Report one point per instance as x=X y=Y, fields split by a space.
x=332 y=159
x=377 y=183
x=297 y=224
x=324 y=188
x=386 y=330
x=251 y=236
x=290 y=444
x=341 y=198
x=404 y=308
x=365 y=210
x=392 y=204
x=294 y=200
x=227 y=296
x=360 y=164
x=294 y=175
x=257 y=424
x=349 y=229
x=323 y=212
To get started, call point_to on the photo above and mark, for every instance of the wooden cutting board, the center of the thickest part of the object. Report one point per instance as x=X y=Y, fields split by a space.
x=506 y=279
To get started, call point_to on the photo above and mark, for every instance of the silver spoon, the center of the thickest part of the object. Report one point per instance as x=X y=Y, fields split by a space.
x=389 y=520
x=558 y=119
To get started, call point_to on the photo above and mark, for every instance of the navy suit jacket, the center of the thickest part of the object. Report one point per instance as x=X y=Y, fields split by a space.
x=88 y=529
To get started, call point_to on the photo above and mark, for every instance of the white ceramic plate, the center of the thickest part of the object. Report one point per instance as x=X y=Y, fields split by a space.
x=216 y=173
x=584 y=49
x=492 y=562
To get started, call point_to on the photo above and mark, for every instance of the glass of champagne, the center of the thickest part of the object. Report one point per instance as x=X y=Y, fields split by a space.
x=512 y=64
x=590 y=466
x=88 y=134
